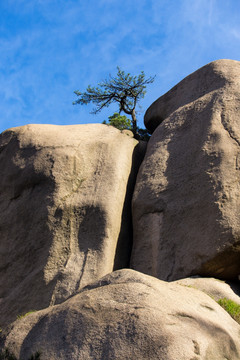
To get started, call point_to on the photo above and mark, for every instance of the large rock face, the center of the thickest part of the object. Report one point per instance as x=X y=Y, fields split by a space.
x=65 y=211
x=128 y=315
x=187 y=197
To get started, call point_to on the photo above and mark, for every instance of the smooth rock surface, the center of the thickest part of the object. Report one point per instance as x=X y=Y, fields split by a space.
x=215 y=288
x=187 y=197
x=65 y=211
x=129 y=315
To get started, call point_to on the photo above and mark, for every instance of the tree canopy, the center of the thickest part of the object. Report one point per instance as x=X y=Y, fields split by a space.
x=121 y=122
x=123 y=89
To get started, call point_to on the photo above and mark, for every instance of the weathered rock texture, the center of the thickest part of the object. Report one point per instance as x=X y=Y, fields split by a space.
x=187 y=196
x=129 y=315
x=65 y=211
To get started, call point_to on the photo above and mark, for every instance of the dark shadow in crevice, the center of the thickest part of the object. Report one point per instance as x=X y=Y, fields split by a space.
x=125 y=239
x=224 y=266
x=235 y=286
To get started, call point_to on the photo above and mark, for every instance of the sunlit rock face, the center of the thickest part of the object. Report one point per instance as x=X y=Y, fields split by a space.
x=187 y=197
x=65 y=211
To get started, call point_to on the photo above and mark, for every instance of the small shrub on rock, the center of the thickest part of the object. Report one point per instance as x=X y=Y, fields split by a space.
x=231 y=307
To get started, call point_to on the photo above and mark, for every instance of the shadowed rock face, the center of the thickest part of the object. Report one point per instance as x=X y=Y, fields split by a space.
x=129 y=315
x=187 y=196
x=64 y=193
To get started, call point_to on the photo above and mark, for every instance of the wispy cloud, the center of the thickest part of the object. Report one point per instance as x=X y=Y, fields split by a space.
x=49 y=48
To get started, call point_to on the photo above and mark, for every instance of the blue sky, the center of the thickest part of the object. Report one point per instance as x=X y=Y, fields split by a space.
x=49 y=48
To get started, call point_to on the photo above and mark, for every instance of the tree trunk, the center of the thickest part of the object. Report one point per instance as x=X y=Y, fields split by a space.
x=134 y=122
